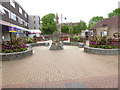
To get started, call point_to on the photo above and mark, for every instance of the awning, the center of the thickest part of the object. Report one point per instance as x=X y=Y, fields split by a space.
x=11 y=25
x=34 y=31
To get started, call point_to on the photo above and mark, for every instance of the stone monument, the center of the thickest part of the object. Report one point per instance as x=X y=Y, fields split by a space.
x=56 y=41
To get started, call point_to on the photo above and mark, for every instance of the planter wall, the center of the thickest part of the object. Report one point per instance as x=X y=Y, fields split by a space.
x=39 y=44
x=16 y=55
x=80 y=45
x=100 y=51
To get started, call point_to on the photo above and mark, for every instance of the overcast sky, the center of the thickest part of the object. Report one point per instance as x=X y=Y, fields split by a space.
x=73 y=10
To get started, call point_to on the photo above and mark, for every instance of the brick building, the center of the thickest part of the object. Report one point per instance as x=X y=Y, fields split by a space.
x=14 y=19
x=107 y=27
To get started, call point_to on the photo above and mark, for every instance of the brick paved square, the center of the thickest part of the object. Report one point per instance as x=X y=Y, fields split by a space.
x=66 y=68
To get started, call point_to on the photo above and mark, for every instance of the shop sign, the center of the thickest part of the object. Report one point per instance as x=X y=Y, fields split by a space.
x=12 y=29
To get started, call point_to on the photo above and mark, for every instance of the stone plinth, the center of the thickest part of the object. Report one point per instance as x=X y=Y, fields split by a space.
x=56 y=43
x=56 y=46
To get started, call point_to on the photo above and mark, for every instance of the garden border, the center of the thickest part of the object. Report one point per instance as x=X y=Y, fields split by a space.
x=16 y=55
x=100 y=51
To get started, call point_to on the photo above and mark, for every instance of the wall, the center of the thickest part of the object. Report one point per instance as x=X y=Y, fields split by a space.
x=113 y=30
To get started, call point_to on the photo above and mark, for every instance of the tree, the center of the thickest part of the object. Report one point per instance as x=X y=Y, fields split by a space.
x=71 y=30
x=94 y=20
x=65 y=29
x=77 y=28
x=83 y=25
x=115 y=12
x=48 y=24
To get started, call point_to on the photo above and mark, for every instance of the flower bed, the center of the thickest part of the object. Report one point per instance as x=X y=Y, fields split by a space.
x=16 y=55
x=100 y=51
x=11 y=49
x=15 y=49
x=102 y=42
x=102 y=46
x=14 y=45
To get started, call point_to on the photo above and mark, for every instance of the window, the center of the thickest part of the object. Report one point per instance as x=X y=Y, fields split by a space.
x=104 y=33
x=20 y=20
x=13 y=16
x=34 y=27
x=12 y=3
x=25 y=15
x=25 y=23
x=34 y=22
x=2 y=10
x=20 y=10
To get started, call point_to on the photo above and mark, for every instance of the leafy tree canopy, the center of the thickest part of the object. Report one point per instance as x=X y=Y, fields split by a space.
x=94 y=20
x=77 y=28
x=48 y=25
x=115 y=12
x=65 y=29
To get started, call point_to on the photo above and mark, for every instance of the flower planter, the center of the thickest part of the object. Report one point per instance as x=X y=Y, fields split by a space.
x=100 y=51
x=16 y=55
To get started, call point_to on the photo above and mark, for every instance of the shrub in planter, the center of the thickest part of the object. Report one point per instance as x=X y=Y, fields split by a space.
x=102 y=40
x=29 y=40
x=91 y=45
x=76 y=38
x=14 y=45
x=103 y=46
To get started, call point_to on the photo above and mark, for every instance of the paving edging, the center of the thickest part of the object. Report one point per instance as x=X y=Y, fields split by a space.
x=100 y=51
x=16 y=55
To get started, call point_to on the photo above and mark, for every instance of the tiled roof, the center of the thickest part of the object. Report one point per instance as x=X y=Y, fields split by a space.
x=108 y=22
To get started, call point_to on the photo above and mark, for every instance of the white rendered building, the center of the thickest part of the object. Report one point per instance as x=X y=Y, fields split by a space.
x=34 y=22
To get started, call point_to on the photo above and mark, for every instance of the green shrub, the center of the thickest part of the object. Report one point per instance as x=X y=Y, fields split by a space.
x=76 y=38
x=7 y=51
x=102 y=40
x=103 y=46
x=14 y=50
x=29 y=40
x=14 y=45
x=91 y=45
x=23 y=49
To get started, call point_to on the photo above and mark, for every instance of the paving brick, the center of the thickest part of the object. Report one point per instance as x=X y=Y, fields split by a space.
x=47 y=68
